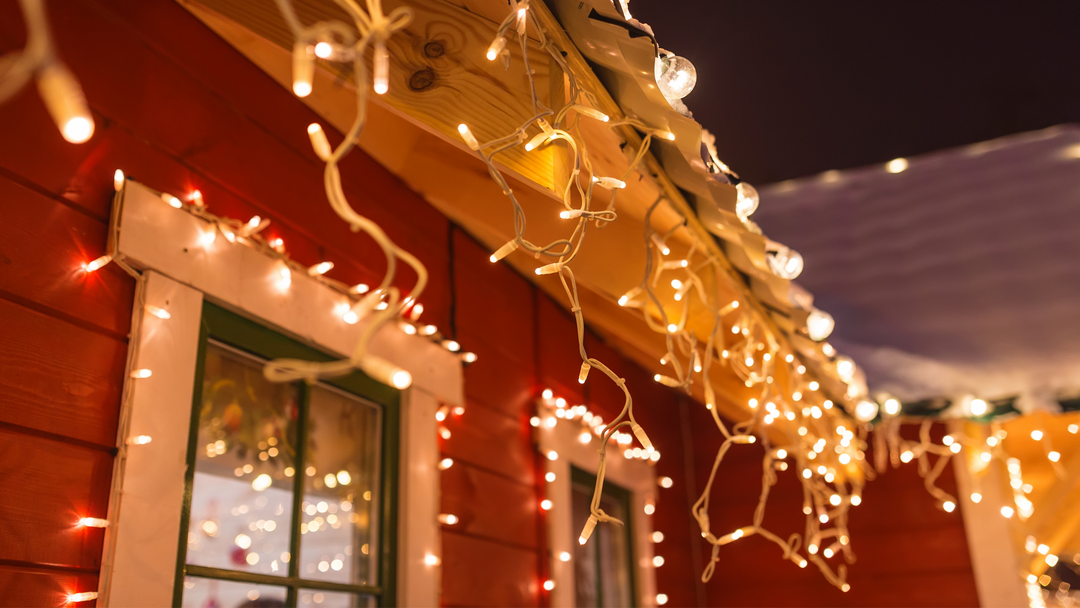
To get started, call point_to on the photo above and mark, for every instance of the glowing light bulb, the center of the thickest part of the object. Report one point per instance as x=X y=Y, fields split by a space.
x=672 y=328
x=323 y=50
x=93 y=522
x=545 y=504
x=448 y=519
x=141 y=373
x=303 y=69
x=564 y=556
x=892 y=407
x=978 y=407
x=1054 y=456
x=320 y=268
x=666 y=482
x=496 y=47
x=96 y=264
x=506 y=249
x=845 y=368
x=430 y=560
x=381 y=69
x=747 y=200
x=64 y=100
x=1007 y=512
x=319 y=142
x=896 y=165
x=85 y=596
x=383 y=371
x=675 y=76
x=819 y=324
x=785 y=263
x=658 y=561
x=140 y=440
x=552 y=455
x=865 y=411
x=1037 y=435
x=976 y=497
x=446 y=463
x=948 y=505
x=549 y=585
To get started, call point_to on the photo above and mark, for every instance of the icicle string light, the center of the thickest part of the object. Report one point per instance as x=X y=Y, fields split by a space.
x=753 y=355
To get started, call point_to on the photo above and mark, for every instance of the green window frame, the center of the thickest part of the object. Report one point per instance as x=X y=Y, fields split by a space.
x=583 y=483
x=225 y=327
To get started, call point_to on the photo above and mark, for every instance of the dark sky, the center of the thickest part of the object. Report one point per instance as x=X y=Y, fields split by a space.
x=795 y=88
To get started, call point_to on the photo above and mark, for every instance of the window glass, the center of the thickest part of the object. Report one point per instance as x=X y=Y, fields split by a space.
x=288 y=481
x=602 y=572
x=241 y=503
x=206 y=592
x=341 y=490
x=311 y=598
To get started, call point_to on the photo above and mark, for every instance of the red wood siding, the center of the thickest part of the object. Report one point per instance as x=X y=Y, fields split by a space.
x=179 y=109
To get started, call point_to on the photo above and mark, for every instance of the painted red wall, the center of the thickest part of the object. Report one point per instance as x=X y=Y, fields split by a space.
x=178 y=109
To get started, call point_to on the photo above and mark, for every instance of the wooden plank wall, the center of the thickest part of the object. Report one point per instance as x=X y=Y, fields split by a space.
x=179 y=109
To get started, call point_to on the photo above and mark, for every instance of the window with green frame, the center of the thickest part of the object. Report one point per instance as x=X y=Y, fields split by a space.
x=291 y=489
x=603 y=567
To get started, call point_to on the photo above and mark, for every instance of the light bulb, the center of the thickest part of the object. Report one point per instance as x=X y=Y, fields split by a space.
x=141 y=373
x=896 y=165
x=383 y=371
x=845 y=368
x=323 y=50
x=748 y=200
x=496 y=47
x=85 y=596
x=978 y=407
x=865 y=411
x=892 y=406
x=303 y=69
x=320 y=268
x=381 y=69
x=96 y=264
x=785 y=263
x=319 y=143
x=503 y=251
x=65 y=102
x=93 y=522
x=819 y=324
x=675 y=76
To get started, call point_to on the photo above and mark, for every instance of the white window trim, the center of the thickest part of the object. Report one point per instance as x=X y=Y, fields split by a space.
x=139 y=561
x=636 y=476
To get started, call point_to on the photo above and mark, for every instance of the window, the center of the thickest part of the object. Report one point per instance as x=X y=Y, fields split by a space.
x=290 y=491
x=603 y=575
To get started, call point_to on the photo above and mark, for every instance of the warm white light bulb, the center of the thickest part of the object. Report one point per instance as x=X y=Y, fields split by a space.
x=865 y=411
x=896 y=165
x=319 y=143
x=785 y=263
x=675 y=76
x=303 y=69
x=819 y=324
x=93 y=265
x=323 y=50
x=381 y=69
x=85 y=596
x=978 y=407
x=93 y=522
x=64 y=100
x=747 y=201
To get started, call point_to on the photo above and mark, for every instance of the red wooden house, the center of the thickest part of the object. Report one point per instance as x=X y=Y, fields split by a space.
x=179 y=109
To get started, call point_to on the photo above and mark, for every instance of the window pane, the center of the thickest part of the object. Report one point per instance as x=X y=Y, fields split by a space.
x=602 y=574
x=310 y=598
x=205 y=592
x=241 y=506
x=341 y=489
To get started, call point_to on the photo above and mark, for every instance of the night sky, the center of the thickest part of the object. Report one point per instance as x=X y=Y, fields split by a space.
x=796 y=88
